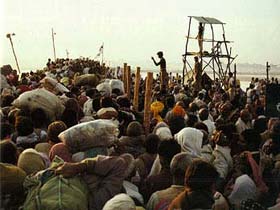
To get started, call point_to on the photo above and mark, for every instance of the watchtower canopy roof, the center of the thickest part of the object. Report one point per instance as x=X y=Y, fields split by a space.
x=207 y=20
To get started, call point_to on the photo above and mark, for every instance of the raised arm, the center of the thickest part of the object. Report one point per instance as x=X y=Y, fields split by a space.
x=155 y=61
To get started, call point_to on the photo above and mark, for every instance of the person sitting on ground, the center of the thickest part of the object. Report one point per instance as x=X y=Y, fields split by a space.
x=204 y=117
x=178 y=167
x=145 y=161
x=54 y=129
x=11 y=176
x=104 y=176
x=166 y=151
x=133 y=142
x=244 y=121
x=26 y=138
x=200 y=181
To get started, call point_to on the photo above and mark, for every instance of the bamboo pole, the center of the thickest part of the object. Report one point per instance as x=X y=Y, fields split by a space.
x=9 y=36
x=136 y=89
x=148 y=97
x=124 y=76
x=54 y=53
x=128 y=81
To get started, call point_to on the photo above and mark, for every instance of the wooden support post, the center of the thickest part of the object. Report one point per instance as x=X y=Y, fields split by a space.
x=124 y=76
x=136 y=89
x=148 y=98
x=128 y=81
x=186 y=51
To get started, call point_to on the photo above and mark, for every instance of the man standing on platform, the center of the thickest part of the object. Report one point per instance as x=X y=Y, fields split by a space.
x=200 y=37
x=163 y=73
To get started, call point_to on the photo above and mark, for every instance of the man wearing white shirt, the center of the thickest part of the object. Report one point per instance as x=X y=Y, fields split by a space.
x=203 y=115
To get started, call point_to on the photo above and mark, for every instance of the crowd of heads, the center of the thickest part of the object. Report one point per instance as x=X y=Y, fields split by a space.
x=203 y=149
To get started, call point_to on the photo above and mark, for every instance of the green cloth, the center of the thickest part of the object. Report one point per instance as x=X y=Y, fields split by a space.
x=48 y=191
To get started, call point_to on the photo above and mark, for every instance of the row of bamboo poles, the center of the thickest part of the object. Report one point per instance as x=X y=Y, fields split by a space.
x=126 y=78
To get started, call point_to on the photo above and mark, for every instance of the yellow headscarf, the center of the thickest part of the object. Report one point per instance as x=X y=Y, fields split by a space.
x=156 y=108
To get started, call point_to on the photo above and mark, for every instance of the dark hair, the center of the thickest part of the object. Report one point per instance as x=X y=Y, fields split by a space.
x=160 y=53
x=192 y=119
x=116 y=91
x=200 y=175
x=75 y=90
x=193 y=107
x=6 y=130
x=54 y=129
x=134 y=129
x=96 y=103
x=106 y=102
x=123 y=102
x=7 y=100
x=39 y=118
x=72 y=104
x=201 y=126
x=151 y=143
x=24 y=126
x=8 y=152
x=203 y=114
x=176 y=123
x=252 y=139
x=69 y=117
x=168 y=149
x=228 y=129
x=170 y=101
x=91 y=92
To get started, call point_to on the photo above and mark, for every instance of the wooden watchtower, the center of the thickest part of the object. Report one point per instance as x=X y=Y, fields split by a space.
x=217 y=53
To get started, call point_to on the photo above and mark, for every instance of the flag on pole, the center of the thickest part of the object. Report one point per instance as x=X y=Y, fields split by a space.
x=100 y=51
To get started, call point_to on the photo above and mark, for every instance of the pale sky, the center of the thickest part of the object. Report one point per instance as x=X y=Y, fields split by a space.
x=133 y=31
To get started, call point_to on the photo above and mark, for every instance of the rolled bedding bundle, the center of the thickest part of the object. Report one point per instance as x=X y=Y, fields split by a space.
x=87 y=135
x=53 y=85
x=117 y=84
x=86 y=79
x=41 y=98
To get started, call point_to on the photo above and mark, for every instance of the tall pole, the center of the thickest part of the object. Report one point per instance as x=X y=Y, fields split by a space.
x=102 y=53
x=136 y=89
x=267 y=71
x=147 y=103
x=128 y=81
x=67 y=53
x=9 y=36
x=54 y=54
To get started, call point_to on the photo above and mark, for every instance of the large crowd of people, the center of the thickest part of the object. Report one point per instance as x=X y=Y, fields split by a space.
x=209 y=147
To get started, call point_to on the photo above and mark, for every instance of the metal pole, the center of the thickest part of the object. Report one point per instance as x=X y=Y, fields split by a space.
x=9 y=36
x=54 y=54
x=67 y=53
